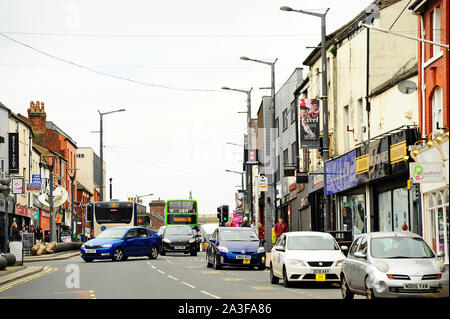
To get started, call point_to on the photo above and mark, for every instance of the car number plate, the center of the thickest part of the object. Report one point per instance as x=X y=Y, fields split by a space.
x=179 y=247
x=90 y=251
x=243 y=257
x=416 y=286
x=246 y=261
x=321 y=271
x=321 y=277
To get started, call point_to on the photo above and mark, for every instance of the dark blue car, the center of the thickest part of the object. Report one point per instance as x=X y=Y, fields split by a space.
x=119 y=243
x=236 y=247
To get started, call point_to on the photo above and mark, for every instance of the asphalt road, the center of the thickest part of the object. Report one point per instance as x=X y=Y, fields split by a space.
x=174 y=276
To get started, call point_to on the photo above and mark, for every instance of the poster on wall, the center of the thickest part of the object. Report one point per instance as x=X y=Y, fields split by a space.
x=17 y=186
x=309 y=120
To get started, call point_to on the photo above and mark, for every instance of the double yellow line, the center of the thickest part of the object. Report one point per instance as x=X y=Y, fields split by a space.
x=28 y=278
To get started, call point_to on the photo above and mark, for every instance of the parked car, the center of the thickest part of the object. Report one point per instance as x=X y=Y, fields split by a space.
x=235 y=246
x=392 y=264
x=119 y=243
x=180 y=238
x=306 y=256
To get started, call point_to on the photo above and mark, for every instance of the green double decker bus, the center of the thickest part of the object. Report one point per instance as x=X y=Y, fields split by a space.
x=181 y=212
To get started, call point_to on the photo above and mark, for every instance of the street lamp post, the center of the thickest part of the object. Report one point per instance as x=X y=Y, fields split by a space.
x=269 y=221
x=249 y=137
x=324 y=98
x=72 y=179
x=101 y=148
x=242 y=176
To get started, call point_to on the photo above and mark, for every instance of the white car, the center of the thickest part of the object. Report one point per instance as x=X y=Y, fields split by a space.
x=306 y=256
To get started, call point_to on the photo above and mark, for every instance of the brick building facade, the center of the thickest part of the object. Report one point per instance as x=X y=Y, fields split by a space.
x=157 y=213
x=433 y=17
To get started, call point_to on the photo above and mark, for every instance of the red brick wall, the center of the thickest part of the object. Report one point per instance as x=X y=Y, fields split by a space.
x=436 y=73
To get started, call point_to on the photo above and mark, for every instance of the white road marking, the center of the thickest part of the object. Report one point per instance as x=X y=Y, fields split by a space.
x=207 y=293
x=171 y=277
x=189 y=285
x=162 y=272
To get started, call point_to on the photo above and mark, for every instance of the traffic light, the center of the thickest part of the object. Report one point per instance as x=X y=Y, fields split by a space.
x=225 y=213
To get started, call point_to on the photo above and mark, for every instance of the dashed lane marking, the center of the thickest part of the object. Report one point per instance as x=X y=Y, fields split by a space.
x=207 y=293
x=189 y=285
x=160 y=271
x=171 y=277
x=232 y=279
x=262 y=287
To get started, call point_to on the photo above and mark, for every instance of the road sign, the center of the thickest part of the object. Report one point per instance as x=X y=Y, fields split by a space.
x=36 y=179
x=262 y=183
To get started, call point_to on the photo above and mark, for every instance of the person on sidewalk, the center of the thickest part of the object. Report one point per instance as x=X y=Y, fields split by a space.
x=280 y=227
x=261 y=231
x=15 y=233
x=245 y=222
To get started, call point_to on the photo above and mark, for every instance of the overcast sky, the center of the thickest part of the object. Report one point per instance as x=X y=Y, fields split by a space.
x=168 y=142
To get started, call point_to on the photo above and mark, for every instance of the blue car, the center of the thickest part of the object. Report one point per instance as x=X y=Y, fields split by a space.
x=236 y=247
x=119 y=243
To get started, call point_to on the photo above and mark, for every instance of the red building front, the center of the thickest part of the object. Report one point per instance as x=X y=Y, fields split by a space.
x=433 y=17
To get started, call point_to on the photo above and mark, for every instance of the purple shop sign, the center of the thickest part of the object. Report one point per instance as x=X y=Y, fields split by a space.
x=340 y=173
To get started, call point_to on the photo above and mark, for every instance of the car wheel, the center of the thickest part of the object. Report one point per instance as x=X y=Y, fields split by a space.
x=162 y=252
x=153 y=253
x=119 y=255
x=88 y=260
x=217 y=265
x=208 y=264
x=194 y=253
x=345 y=290
x=286 y=281
x=369 y=291
x=273 y=279
x=263 y=267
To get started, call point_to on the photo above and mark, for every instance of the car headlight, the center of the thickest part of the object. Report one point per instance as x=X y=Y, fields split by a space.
x=440 y=265
x=166 y=240
x=223 y=249
x=381 y=266
x=191 y=240
x=294 y=262
x=82 y=246
x=339 y=263
x=261 y=250
x=107 y=246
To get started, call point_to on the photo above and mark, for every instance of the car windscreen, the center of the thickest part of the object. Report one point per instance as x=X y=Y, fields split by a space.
x=112 y=233
x=176 y=230
x=400 y=247
x=311 y=243
x=238 y=235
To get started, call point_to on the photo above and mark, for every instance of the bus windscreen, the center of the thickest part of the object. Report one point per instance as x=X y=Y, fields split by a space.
x=181 y=207
x=113 y=215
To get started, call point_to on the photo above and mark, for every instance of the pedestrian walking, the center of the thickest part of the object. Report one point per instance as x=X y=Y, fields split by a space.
x=280 y=227
x=38 y=234
x=15 y=233
x=245 y=222
x=261 y=231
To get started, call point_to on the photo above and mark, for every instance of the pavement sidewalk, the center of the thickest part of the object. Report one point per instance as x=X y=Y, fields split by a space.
x=49 y=257
x=12 y=273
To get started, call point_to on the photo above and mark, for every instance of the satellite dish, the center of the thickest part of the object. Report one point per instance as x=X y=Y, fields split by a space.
x=60 y=196
x=407 y=87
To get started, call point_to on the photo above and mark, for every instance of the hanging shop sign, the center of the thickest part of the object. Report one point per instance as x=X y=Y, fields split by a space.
x=426 y=172
x=13 y=151
x=398 y=149
x=251 y=157
x=309 y=117
x=340 y=173
x=17 y=185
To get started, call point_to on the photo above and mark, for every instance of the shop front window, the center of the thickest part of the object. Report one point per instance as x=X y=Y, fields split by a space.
x=400 y=204
x=439 y=222
x=385 y=211
x=354 y=214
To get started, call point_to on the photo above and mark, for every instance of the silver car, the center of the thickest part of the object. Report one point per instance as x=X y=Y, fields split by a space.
x=393 y=264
